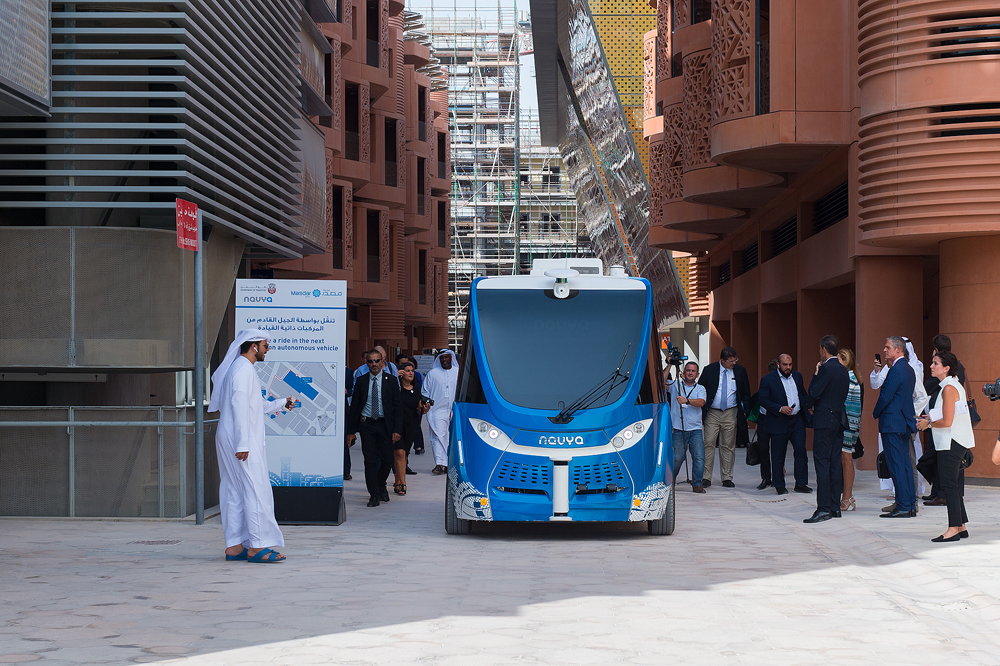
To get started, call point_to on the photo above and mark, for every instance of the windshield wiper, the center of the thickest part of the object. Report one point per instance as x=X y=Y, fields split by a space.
x=612 y=381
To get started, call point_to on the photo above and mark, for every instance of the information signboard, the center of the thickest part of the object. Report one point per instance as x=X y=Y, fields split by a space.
x=187 y=225
x=307 y=322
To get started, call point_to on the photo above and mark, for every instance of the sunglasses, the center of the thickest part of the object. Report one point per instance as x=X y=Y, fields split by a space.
x=373 y=362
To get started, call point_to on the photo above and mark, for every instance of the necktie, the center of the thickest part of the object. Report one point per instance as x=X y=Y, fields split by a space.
x=376 y=403
x=725 y=390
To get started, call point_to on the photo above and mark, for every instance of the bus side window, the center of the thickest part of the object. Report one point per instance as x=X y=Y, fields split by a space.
x=470 y=388
x=646 y=395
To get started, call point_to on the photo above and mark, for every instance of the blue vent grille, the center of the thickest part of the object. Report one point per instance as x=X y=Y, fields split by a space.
x=515 y=474
x=601 y=473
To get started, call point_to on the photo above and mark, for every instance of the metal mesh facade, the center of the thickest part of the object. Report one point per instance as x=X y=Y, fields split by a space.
x=108 y=298
x=156 y=101
x=101 y=471
x=24 y=56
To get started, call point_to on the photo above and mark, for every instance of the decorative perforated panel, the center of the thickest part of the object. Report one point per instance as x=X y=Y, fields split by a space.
x=673 y=156
x=732 y=48
x=697 y=111
x=366 y=123
x=338 y=84
x=662 y=40
x=383 y=232
x=348 y=228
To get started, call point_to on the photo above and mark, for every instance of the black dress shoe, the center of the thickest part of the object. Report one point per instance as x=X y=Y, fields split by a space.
x=347 y=477
x=802 y=489
x=419 y=452
x=763 y=484
x=372 y=501
x=706 y=483
x=385 y=495
x=781 y=491
x=835 y=513
x=409 y=471
x=964 y=534
x=728 y=484
x=927 y=497
x=898 y=513
x=818 y=517
x=944 y=539
x=937 y=501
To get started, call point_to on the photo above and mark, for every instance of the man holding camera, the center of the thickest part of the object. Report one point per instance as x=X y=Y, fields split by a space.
x=687 y=399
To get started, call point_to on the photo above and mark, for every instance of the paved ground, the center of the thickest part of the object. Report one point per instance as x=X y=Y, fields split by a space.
x=742 y=580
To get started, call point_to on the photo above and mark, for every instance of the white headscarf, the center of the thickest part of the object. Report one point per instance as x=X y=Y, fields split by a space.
x=914 y=362
x=454 y=360
x=246 y=335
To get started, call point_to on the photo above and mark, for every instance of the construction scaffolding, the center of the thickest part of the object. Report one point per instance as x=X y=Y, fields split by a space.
x=509 y=202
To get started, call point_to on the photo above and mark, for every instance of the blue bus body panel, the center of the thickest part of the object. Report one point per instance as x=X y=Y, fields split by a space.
x=504 y=470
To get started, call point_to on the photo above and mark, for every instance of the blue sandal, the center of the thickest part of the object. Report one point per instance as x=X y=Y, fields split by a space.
x=266 y=556
x=241 y=556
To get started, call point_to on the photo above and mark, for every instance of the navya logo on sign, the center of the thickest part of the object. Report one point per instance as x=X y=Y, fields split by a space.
x=560 y=441
x=257 y=299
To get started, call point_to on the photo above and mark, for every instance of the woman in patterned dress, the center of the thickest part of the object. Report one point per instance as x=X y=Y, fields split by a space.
x=855 y=399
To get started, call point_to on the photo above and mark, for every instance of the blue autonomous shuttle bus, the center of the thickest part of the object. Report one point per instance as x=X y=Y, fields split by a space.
x=558 y=413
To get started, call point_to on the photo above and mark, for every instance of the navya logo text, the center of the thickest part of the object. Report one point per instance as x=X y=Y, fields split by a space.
x=559 y=441
x=257 y=299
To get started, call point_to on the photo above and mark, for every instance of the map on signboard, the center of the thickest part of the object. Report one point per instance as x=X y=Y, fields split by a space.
x=315 y=389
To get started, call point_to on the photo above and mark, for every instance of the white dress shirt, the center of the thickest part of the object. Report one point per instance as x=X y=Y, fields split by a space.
x=727 y=389
x=791 y=392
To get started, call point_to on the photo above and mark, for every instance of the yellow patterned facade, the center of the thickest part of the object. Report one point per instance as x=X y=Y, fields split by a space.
x=620 y=26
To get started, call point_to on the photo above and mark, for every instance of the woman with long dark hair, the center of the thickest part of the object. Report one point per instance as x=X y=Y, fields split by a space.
x=413 y=408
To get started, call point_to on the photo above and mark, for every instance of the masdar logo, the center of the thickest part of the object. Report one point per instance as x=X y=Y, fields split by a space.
x=271 y=288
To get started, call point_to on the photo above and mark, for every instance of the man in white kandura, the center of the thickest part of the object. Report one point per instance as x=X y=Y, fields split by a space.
x=245 y=497
x=439 y=386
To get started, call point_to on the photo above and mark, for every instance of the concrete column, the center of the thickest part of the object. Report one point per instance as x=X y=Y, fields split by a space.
x=778 y=333
x=889 y=302
x=744 y=340
x=970 y=293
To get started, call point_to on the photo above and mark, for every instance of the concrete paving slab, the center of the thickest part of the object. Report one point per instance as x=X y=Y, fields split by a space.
x=741 y=581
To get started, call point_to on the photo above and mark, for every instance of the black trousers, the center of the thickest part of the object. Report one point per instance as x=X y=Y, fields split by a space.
x=948 y=469
x=764 y=452
x=827 y=445
x=376 y=446
x=779 y=449
x=928 y=443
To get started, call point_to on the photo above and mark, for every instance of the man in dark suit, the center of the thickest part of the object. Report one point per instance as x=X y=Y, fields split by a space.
x=783 y=395
x=827 y=395
x=728 y=389
x=376 y=412
x=896 y=420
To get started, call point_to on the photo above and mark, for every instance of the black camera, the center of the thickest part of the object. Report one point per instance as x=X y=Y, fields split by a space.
x=674 y=357
x=429 y=402
x=992 y=391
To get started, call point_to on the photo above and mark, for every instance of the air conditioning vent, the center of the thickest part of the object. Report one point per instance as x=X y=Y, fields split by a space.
x=784 y=237
x=969 y=123
x=830 y=209
x=980 y=36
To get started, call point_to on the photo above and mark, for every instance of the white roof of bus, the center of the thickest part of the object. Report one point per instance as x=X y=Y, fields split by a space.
x=596 y=282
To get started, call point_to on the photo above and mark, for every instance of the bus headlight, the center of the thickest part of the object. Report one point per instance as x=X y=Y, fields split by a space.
x=631 y=434
x=489 y=433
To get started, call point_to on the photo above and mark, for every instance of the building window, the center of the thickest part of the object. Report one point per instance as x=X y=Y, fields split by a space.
x=374 y=238
x=371 y=28
x=785 y=236
x=421 y=113
x=420 y=187
x=422 y=276
x=551 y=176
x=441 y=155
x=701 y=10
x=830 y=208
x=390 y=152
x=337 y=224
x=352 y=122
x=725 y=273
x=442 y=223
x=750 y=257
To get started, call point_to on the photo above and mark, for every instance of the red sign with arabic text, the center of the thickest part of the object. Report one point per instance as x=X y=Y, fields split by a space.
x=187 y=225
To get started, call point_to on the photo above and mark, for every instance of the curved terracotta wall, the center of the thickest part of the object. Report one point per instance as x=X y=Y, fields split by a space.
x=929 y=139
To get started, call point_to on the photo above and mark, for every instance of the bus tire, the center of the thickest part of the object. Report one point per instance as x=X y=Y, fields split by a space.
x=452 y=523
x=664 y=526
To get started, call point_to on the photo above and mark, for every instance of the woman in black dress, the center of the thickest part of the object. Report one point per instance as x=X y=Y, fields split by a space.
x=413 y=408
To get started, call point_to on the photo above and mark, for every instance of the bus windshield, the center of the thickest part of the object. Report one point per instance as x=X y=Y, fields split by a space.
x=544 y=352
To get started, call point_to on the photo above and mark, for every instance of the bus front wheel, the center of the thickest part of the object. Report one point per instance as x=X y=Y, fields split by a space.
x=452 y=523
x=665 y=525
